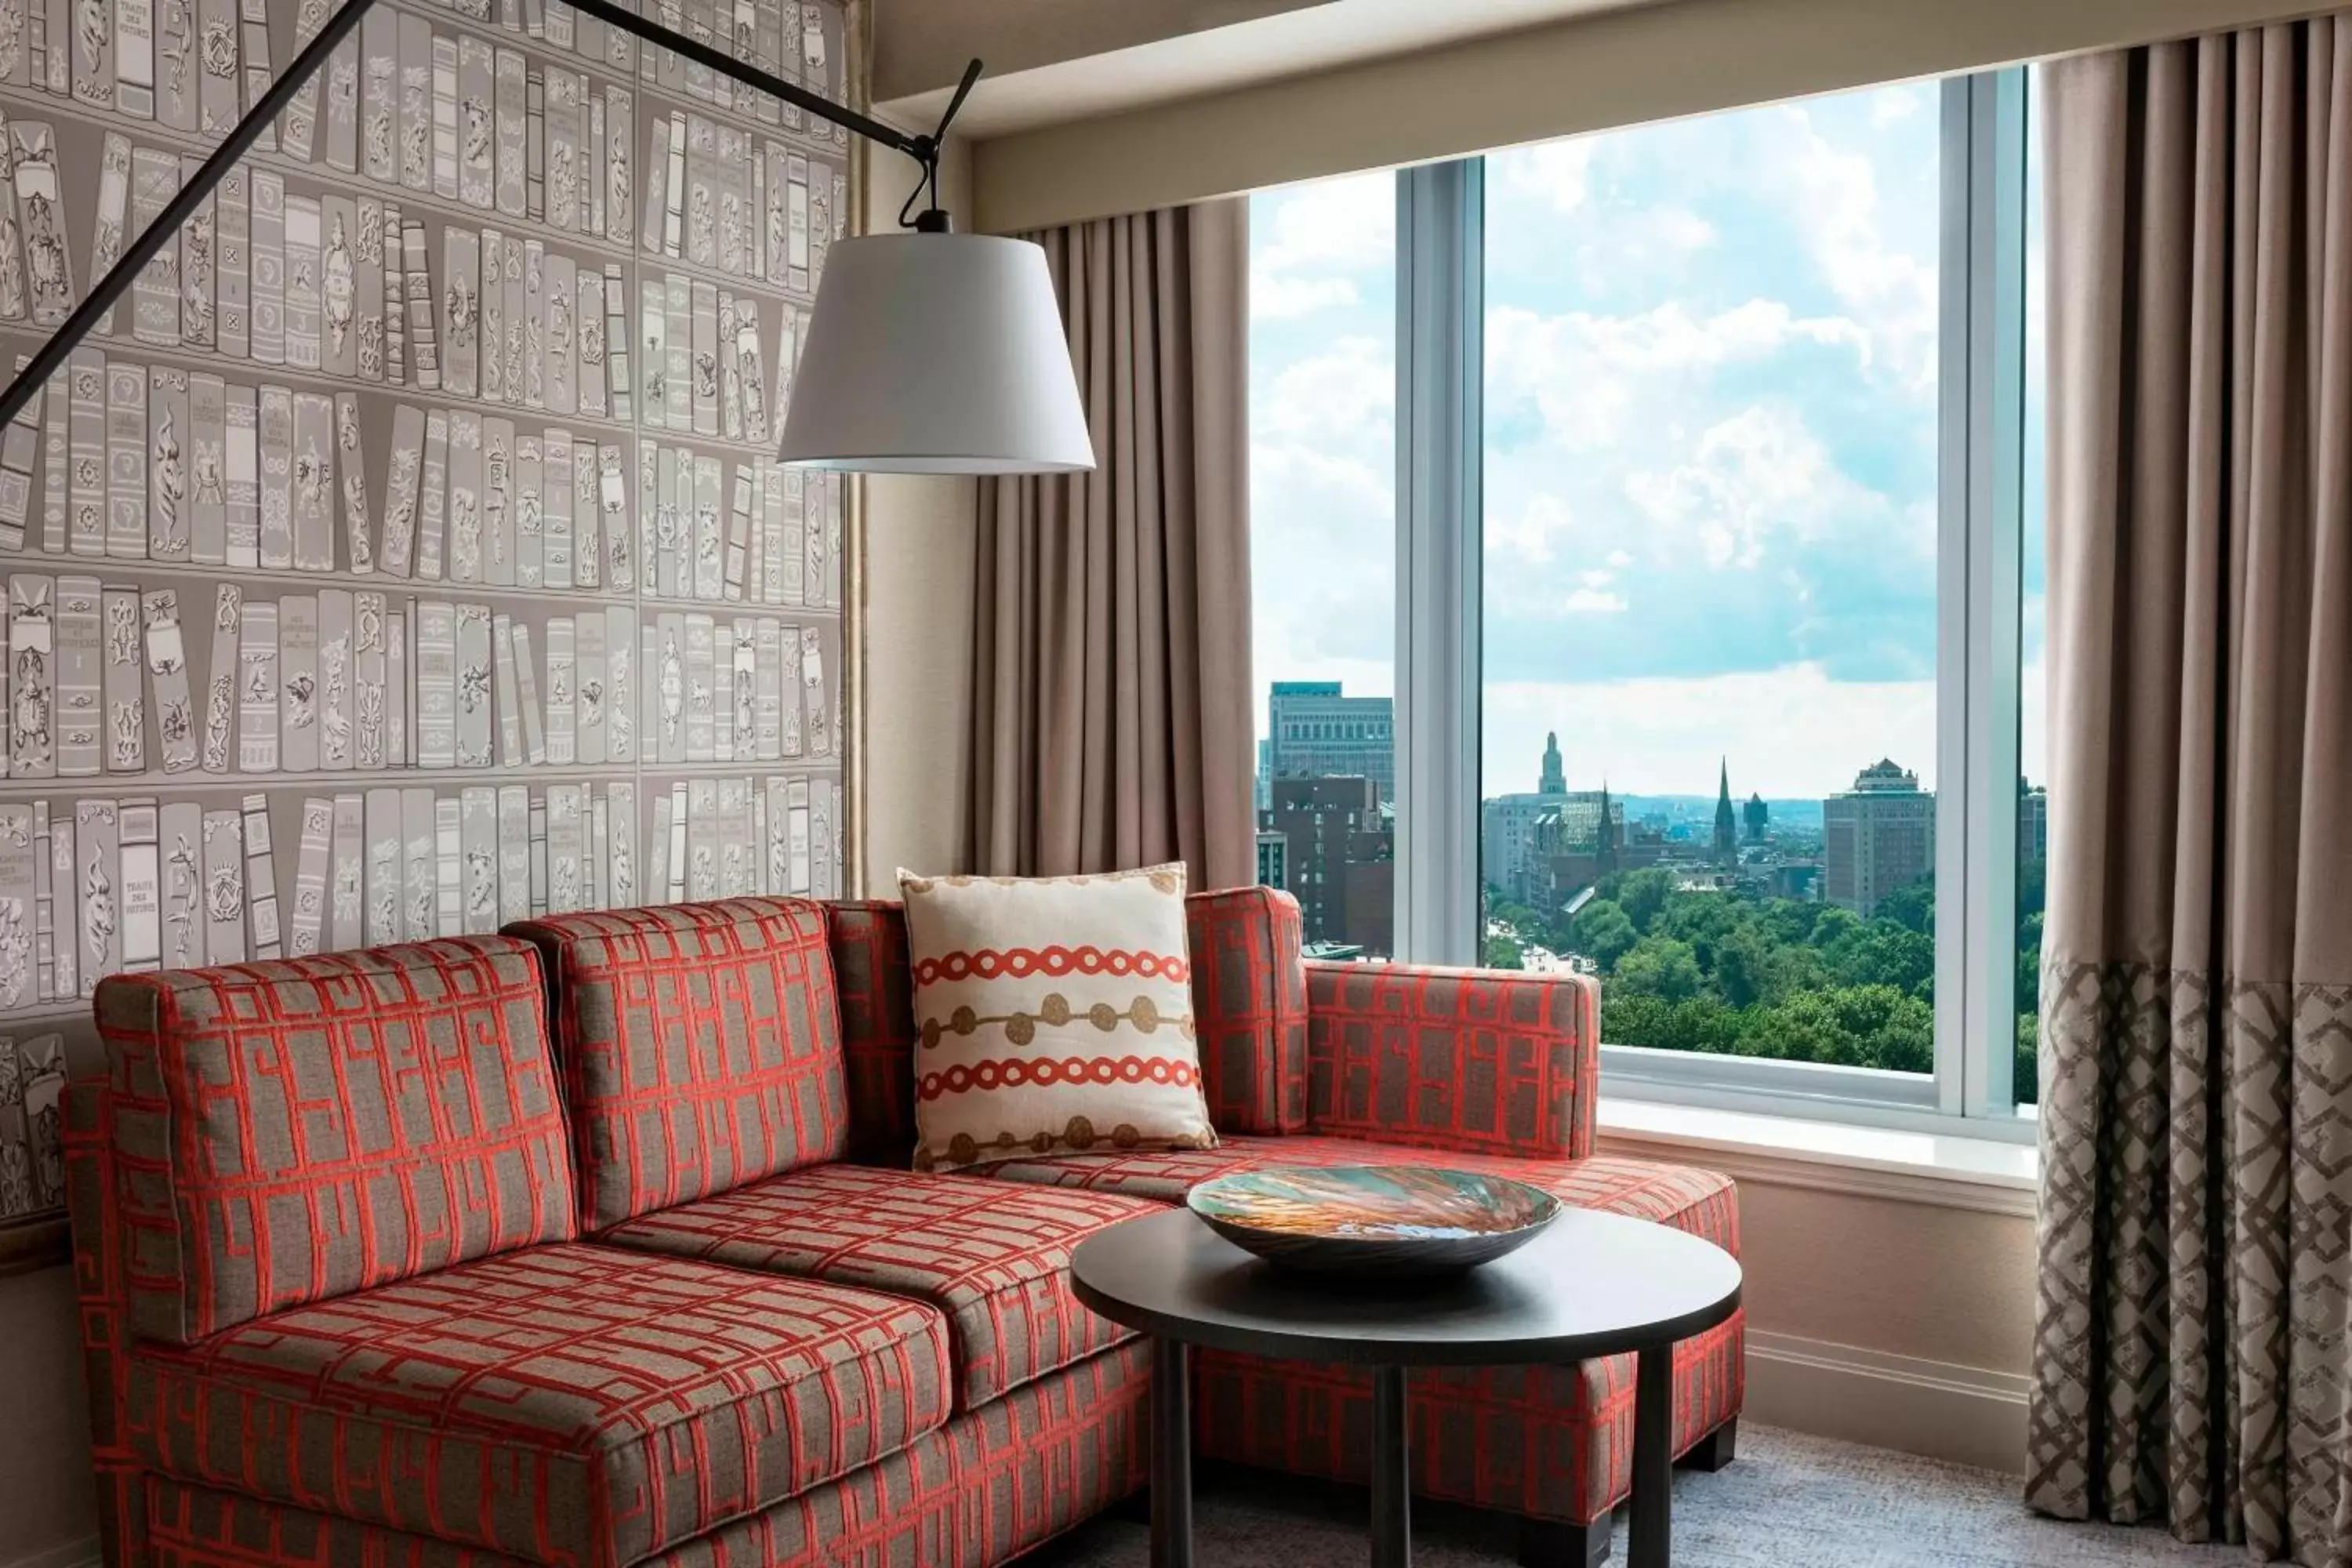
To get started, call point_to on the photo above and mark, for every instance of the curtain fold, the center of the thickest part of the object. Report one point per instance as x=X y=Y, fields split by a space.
x=2195 y=1262
x=1111 y=721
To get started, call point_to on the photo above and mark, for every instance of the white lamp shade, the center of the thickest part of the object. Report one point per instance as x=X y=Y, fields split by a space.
x=936 y=354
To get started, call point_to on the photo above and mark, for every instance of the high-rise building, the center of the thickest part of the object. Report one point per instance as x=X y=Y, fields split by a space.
x=1758 y=817
x=1313 y=730
x=1876 y=838
x=1727 y=824
x=1507 y=825
x=1265 y=774
x=2033 y=822
x=1339 y=851
x=1273 y=858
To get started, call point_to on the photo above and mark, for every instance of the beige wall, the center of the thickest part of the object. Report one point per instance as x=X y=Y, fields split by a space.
x=45 y=1501
x=1587 y=73
x=918 y=574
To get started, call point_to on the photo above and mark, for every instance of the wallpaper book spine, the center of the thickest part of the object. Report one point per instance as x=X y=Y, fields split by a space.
x=298 y=124
x=167 y=674
x=302 y=301
x=511 y=753
x=81 y=718
x=111 y=208
x=558 y=522
x=56 y=448
x=473 y=686
x=590 y=321
x=477 y=122
x=613 y=501
x=221 y=677
x=197 y=287
x=514 y=853
x=448 y=858
x=534 y=306
x=233 y=285
x=434 y=507
x=342 y=108
x=336 y=728
x=122 y=665
x=257 y=717
x=157 y=291
x=346 y=901
x=367 y=284
x=20 y=452
x=224 y=855
x=276 y=546
x=464 y=517
x=534 y=735
x=587 y=515
x=86 y=443
x=268 y=246
x=169 y=527
x=313 y=851
x=499 y=502
x=126 y=460
x=589 y=690
x=208 y=439
x=97 y=840
x=216 y=53
x=368 y=675
x=558 y=343
x=621 y=700
x=298 y=666
x=529 y=547
x=560 y=731
x=416 y=123
x=403 y=494
x=339 y=285
x=243 y=511
x=383 y=877
x=461 y=285
x=314 y=483
x=351 y=458
x=180 y=843
x=477 y=810
x=437 y=676
x=445 y=118
x=395 y=299
x=508 y=96
x=423 y=353
x=260 y=881
x=420 y=872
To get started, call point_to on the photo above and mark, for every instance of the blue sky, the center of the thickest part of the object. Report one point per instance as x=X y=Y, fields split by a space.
x=1710 y=465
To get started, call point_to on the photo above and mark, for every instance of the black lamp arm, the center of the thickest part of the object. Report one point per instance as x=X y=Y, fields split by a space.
x=143 y=246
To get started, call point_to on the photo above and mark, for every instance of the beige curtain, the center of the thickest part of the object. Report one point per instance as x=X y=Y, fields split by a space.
x=1111 y=721
x=2190 y=1358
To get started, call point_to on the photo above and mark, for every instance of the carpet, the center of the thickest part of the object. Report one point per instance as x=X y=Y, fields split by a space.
x=1789 y=1501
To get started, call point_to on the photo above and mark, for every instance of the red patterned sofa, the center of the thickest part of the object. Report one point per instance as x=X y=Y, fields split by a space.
x=592 y=1246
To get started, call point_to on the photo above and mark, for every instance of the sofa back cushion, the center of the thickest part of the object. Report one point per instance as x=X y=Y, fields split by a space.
x=701 y=1046
x=1249 y=1008
x=291 y=1131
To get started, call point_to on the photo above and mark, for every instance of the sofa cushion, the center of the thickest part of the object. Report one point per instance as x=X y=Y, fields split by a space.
x=994 y=1257
x=1701 y=1201
x=1249 y=1006
x=287 y=1133
x=700 y=1043
x=579 y=1406
x=1054 y=1014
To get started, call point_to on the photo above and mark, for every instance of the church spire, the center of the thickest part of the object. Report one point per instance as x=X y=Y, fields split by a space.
x=1726 y=824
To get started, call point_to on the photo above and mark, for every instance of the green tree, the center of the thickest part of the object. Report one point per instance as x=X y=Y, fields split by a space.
x=1880 y=953
x=1643 y=894
x=1663 y=967
x=1602 y=932
x=1742 y=970
x=1911 y=906
x=1502 y=953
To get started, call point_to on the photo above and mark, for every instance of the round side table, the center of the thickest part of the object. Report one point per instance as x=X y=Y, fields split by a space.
x=1590 y=1285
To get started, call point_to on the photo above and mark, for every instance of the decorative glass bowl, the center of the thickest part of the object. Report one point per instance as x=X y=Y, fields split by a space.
x=1388 y=1222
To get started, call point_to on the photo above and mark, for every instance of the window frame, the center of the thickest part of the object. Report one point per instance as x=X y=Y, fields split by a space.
x=1980 y=462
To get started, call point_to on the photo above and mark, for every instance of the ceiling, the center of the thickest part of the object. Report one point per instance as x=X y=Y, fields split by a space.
x=1054 y=61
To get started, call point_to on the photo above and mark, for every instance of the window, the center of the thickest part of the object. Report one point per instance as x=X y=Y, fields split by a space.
x=1706 y=447
x=1710 y=575
x=1323 y=462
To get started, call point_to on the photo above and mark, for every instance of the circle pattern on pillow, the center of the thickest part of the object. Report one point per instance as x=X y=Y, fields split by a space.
x=1052 y=1015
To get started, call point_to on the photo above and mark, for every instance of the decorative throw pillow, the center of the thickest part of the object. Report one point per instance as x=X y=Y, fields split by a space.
x=1053 y=1015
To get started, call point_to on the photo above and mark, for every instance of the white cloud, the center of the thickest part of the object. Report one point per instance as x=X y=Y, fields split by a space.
x=1757 y=473
x=1890 y=104
x=1317 y=246
x=1557 y=174
x=1591 y=601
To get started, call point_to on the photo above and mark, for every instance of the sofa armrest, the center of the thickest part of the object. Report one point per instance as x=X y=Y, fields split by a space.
x=1470 y=1060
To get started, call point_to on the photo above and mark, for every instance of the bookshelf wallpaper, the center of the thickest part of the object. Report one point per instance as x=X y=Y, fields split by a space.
x=406 y=554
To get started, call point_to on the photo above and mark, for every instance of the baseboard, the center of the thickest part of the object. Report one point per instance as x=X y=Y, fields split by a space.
x=1945 y=1411
x=82 y=1553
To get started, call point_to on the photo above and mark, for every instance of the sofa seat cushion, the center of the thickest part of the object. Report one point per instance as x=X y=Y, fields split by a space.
x=1701 y=1201
x=995 y=1258
x=580 y=1405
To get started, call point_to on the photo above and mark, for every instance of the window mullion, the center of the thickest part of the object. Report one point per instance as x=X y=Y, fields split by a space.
x=1440 y=372
x=1953 y=620
x=1996 y=352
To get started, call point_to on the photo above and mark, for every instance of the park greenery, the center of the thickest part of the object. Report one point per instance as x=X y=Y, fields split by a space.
x=1743 y=974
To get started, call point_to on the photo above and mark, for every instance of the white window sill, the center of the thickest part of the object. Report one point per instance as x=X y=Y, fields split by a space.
x=1941 y=1169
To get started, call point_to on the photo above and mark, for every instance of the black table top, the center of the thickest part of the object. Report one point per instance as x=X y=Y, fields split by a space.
x=1590 y=1285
